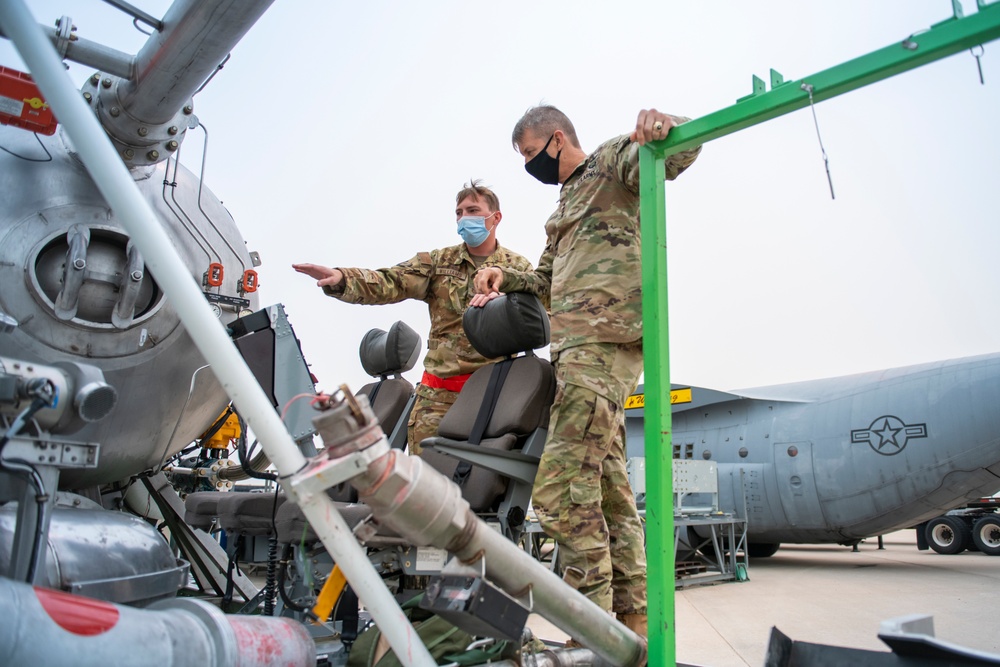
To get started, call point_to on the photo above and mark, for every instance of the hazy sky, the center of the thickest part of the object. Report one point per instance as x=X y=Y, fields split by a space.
x=340 y=133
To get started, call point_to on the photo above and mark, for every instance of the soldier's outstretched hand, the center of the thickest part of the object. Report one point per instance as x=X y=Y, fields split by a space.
x=324 y=275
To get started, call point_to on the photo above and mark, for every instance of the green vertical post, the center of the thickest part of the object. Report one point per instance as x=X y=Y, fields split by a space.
x=659 y=457
x=943 y=39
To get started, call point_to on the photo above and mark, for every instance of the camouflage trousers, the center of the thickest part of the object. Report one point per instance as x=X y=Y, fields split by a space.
x=428 y=409
x=582 y=495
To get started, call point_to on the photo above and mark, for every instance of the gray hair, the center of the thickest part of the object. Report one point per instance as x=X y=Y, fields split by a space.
x=542 y=121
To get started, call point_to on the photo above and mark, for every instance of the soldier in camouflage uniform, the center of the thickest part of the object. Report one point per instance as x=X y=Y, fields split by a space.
x=590 y=272
x=443 y=280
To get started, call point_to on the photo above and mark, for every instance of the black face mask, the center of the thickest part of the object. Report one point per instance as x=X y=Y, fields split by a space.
x=544 y=167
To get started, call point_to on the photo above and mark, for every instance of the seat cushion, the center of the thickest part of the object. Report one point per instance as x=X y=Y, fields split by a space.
x=387 y=352
x=512 y=323
x=248 y=513
x=202 y=508
x=523 y=404
x=390 y=401
x=291 y=523
x=482 y=488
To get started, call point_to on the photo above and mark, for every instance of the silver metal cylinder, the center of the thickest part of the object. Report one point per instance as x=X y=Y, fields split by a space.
x=47 y=627
x=92 y=54
x=197 y=35
x=82 y=395
x=424 y=506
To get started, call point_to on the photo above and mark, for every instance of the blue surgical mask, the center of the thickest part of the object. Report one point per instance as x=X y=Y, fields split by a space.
x=472 y=229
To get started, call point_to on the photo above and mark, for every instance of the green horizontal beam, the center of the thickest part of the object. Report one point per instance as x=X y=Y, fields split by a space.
x=940 y=41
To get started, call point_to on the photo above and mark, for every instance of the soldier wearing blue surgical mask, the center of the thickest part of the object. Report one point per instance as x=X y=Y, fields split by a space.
x=443 y=279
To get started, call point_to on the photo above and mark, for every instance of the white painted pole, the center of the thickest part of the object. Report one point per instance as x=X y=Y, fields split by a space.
x=139 y=220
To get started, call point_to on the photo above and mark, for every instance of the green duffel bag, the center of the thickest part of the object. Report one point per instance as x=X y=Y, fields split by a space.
x=446 y=643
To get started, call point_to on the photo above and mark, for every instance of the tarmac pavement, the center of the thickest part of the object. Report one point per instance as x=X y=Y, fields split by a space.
x=826 y=594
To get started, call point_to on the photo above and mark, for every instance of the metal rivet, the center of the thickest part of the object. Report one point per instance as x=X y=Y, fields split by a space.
x=96 y=79
x=143 y=131
x=88 y=96
x=115 y=111
x=129 y=153
x=172 y=145
x=137 y=276
x=172 y=130
x=153 y=155
x=188 y=109
x=106 y=83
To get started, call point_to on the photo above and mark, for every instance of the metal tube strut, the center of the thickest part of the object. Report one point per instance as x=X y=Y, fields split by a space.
x=123 y=196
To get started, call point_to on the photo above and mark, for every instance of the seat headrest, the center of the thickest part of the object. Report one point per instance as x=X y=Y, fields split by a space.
x=506 y=325
x=387 y=352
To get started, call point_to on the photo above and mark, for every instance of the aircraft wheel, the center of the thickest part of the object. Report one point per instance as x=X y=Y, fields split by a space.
x=759 y=550
x=947 y=535
x=986 y=535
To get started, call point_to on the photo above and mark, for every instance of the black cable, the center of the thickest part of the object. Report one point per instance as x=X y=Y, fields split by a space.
x=42 y=499
x=233 y=564
x=44 y=396
x=282 y=574
x=270 y=579
x=31 y=159
x=219 y=423
x=241 y=448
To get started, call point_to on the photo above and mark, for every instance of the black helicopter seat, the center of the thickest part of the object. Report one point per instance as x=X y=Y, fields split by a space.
x=489 y=442
x=384 y=355
x=249 y=513
x=201 y=510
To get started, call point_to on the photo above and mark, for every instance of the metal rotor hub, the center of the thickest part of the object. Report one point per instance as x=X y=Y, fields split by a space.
x=137 y=142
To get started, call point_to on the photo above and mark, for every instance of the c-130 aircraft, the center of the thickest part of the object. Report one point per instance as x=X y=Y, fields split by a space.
x=841 y=459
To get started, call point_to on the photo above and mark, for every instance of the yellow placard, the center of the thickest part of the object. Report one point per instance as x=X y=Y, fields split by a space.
x=680 y=396
x=676 y=396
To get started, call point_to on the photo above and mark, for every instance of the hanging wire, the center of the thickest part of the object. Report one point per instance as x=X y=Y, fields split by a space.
x=826 y=161
x=48 y=155
x=135 y=22
x=979 y=65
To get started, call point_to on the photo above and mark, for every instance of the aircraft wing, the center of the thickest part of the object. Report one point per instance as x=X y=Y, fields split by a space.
x=688 y=397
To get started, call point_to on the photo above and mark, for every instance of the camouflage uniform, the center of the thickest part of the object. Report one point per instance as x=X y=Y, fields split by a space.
x=591 y=274
x=443 y=280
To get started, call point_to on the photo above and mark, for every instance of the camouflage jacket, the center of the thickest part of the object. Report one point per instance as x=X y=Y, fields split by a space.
x=590 y=271
x=443 y=280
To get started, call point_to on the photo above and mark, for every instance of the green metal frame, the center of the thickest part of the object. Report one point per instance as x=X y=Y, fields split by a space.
x=941 y=40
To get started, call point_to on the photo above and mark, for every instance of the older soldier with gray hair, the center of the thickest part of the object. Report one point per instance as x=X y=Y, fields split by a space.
x=443 y=279
x=590 y=272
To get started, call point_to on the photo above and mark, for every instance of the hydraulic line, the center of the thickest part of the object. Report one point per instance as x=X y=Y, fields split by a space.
x=44 y=394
